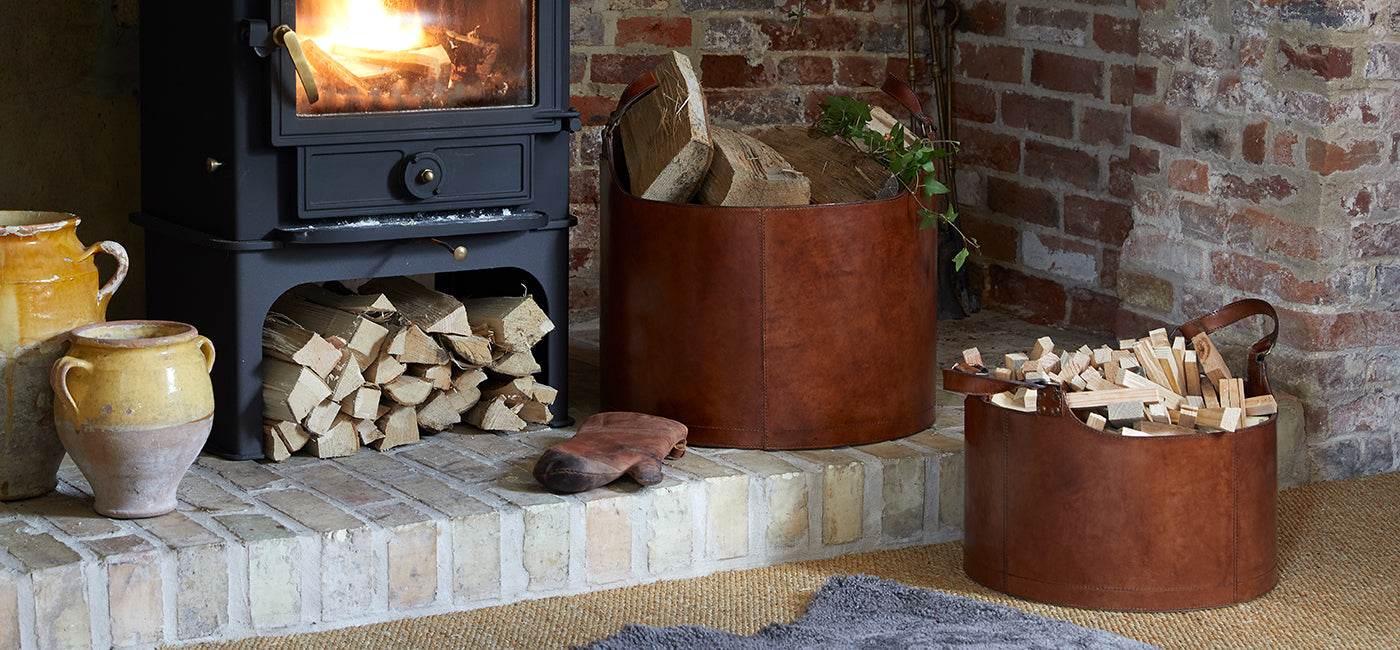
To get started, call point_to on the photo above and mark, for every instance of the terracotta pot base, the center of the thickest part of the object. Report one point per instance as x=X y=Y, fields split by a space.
x=135 y=473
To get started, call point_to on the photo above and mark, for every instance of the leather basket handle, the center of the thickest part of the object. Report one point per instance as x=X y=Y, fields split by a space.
x=1256 y=369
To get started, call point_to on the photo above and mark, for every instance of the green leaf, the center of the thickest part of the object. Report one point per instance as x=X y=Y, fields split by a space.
x=959 y=259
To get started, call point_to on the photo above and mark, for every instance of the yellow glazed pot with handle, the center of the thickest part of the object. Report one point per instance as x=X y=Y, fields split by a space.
x=48 y=285
x=133 y=406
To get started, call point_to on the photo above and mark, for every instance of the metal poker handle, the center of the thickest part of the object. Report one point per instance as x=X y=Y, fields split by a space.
x=287 y=38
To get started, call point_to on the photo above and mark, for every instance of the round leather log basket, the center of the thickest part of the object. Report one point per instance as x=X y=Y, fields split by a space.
x=768 y=328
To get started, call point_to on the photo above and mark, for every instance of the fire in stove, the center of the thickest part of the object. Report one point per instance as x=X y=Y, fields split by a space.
x=393 y=55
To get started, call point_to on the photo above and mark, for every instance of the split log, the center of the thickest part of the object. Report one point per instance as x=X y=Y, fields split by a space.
x=836 y=173
x=340 y=440
x=368 y=431
x=384 y=370
x=374 y=306
x=494 y=415
x=346 y=378
x=400 y=427
x=472 y=350
x=746 y=172
x=441 y=411
x=408 y=390
x=290 y=391
x=666 y=135
x=516 y=323
x=322 y=418
x=284 y=340
x=362 y=336
x=515 y=364
x=415 y=346
x=363 y=404
x=431 y=310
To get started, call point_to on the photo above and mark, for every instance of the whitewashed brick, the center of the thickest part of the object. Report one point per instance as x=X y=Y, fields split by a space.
x=672 y=544
x=476 y=556
x=202 y=494
x=608 y=554
x=9 y=608
x=69 y=513
x=545 y=549
x=342 y=488
x=245 y=475
x=902 y=471
x=349 y=580
x=413 y=564
x=785 y=493
x=274 y=569
x=61 y=608
x=311 y=511
x=135 y=600
x=201 y=592
x=843 y=496
x=727 y=517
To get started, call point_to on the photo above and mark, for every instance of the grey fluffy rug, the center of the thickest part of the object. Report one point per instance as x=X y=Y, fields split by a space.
x=867 y=612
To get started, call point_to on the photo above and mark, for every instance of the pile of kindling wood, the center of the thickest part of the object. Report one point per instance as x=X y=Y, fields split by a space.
x=1147 y=387
x=378 y=366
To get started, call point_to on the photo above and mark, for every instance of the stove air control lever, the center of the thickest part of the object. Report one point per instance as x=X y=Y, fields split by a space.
x=284 y=36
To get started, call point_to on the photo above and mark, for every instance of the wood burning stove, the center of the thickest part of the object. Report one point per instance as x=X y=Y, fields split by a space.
x=295 y=141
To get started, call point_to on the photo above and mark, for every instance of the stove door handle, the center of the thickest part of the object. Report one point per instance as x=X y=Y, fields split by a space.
x=287 y=38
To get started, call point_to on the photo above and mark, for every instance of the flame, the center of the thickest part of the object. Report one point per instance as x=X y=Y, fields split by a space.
x=370 y=25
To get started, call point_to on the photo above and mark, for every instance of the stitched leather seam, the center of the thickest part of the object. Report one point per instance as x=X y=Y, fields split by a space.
x=763 y=324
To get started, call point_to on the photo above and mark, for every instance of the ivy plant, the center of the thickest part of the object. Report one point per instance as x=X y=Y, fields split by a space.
x=914 y=165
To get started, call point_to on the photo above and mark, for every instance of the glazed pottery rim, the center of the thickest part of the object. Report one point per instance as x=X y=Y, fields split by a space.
x=29 y=222
x=178 y=332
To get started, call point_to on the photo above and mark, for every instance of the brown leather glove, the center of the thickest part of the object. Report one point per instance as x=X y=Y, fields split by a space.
x=609 y=445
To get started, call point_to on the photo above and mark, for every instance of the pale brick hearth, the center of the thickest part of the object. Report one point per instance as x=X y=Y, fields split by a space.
x=455 y=522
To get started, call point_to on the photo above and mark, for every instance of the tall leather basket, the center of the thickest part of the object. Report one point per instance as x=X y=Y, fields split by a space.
x=1060 y=513
x=767 y=327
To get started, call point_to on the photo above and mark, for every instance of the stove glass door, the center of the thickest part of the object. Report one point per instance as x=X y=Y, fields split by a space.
x=378 y=56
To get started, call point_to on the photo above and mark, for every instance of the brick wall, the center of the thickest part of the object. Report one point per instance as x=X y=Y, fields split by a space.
x=1125 y=164
x=756 y=69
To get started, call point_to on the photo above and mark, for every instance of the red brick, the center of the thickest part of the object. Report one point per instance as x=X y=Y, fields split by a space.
x=1276 y=188
x=594 y=110
x=757 y=106
x=1120 y=177
x=1341 y=331
x=1046 y=115
x=995 y=241
x=1027 y=204
x=653 y=30
x=1189 y=176
x=1259 y=277
x=587 y=147
x=1156 y=123
x=983 y=148
x=1253 y=53
x=1323 y=61
x=1093 y=218
x=1206 y=52
x=974 y=103
x=1100 y=126
x=733 y=71
x=857 y=70
x=1145 y=80
x=1030 y=298
x=1293 y=240
x=806 y=70
x=985 y=17
x=1121 y=81
x=1163 y=44
x=1376 y=239
x=1283 y=148
x=989 y=63
x=1050 y=162
x=1252 y=142
x=841 y=33
x=578 y=67
x=621 y=68
x=1068 y=74
x=583 y=186
x=1092 y=311
x=1144 y=162
x=1108 y=270
x=1326 y=158
x=1210 y=224
x=1052 y=25
x=1116 y=35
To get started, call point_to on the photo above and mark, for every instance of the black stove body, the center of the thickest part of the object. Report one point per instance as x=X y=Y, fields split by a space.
x=294 y=141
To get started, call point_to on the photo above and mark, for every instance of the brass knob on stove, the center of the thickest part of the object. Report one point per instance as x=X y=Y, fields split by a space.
x=459 y=253
x=426 y=176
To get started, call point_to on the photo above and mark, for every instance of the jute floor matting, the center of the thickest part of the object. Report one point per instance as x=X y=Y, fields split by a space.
x=1339 y=587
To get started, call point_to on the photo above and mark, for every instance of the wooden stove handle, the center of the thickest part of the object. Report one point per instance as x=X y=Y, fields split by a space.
x=287 y=38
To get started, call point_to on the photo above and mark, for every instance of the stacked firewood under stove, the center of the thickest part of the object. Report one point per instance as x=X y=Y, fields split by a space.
x=1147 y=387
x=379 y=365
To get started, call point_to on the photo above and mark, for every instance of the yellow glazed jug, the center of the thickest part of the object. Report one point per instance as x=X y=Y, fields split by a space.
x=133 y=405
x=48 y=285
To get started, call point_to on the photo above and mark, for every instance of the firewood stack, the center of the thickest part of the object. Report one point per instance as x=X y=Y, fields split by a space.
x=1147 y=387
x=376 y=367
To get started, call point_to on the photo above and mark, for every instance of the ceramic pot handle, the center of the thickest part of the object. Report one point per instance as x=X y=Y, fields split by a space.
x=207 y=347
x=58 y=378
x=123 y=265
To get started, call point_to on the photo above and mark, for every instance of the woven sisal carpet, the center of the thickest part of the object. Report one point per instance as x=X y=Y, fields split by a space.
x=1339 y=587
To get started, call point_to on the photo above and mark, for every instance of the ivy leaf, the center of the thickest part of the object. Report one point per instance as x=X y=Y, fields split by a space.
x=959 y=259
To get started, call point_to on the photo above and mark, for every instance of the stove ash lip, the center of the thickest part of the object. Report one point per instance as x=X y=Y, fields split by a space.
x=374 y=228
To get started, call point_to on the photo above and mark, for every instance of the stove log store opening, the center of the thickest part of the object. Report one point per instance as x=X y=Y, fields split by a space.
x=286 y=142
